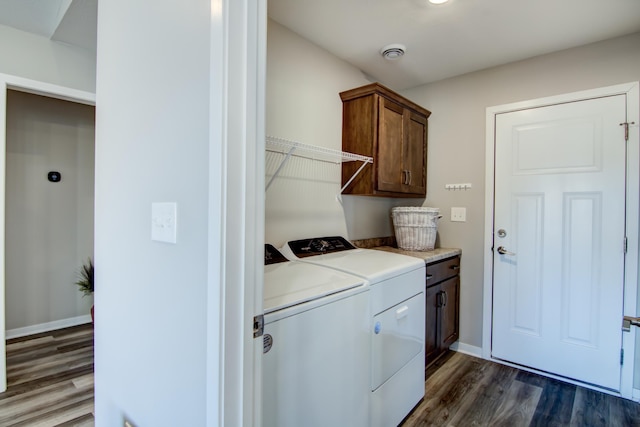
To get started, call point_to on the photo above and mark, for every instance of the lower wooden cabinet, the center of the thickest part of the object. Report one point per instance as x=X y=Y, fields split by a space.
x=443 y=307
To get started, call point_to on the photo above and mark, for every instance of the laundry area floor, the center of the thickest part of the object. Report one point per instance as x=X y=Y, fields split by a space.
x=462 y=390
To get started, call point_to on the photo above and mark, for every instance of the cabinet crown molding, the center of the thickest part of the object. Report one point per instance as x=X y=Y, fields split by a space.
x=383 y=91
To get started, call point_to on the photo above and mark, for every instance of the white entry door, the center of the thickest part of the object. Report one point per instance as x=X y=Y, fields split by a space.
x=559 y=221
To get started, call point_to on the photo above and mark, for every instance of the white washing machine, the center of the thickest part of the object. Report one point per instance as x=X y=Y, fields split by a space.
x=316 y=345
x=397 y=322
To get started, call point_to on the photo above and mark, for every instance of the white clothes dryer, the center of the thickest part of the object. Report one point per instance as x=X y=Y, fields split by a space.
x=316 y=345
x=397 y=323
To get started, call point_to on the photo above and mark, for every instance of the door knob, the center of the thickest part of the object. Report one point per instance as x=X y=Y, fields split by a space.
x=503 y=251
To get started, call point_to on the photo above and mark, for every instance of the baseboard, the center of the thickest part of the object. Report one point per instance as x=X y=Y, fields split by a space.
x=49 y=326
x=635 y=395
x=471 y=350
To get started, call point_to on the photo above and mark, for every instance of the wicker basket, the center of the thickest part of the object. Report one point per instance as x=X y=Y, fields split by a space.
x=415 y=227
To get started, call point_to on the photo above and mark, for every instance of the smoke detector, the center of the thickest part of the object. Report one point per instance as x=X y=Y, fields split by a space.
x=393 y=51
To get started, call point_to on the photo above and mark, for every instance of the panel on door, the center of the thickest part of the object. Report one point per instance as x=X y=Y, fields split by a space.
x=415 y=153
x=431 y=345
x=559 y=265
x=390 y=142
x=449 y=312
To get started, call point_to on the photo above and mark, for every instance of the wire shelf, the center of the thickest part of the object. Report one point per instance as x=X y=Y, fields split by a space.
x=281 y=145
x=297 y=149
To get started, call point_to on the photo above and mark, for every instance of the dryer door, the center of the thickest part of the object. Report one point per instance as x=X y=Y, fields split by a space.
x=398 y=336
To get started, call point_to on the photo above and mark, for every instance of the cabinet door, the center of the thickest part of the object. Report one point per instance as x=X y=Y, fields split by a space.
x=389 y=162
x=431 y=327
x=449 y=312
x=415 y=153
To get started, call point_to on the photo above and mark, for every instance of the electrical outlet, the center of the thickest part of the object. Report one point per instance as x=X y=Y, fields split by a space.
x=458 y=214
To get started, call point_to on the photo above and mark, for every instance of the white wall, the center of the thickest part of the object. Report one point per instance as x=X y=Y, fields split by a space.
x=152 y=141
x=49 y=226
x=303 y=104
x=457 y=141
x=38 y=58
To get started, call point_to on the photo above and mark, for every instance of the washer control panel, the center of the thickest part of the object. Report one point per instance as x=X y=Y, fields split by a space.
x=319 y=246
x=272 y=255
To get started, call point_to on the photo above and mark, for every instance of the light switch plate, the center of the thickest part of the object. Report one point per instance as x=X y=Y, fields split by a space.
x=164 y=222
x=458 y=214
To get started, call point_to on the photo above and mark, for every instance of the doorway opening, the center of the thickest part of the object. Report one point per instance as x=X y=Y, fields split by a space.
x=49 y=198
x=8 y=83
x=500 y=261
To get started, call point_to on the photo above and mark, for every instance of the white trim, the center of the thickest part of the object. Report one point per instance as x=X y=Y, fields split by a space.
x=631 y=90
x=633 y=236
x=237 y=93
x=215 y=270
x=463 y=348
x=635 y=396
x=48 y=326
x=47 y=89
x=39 y=88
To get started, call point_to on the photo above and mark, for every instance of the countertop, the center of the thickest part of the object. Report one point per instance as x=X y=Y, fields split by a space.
x=428 y=256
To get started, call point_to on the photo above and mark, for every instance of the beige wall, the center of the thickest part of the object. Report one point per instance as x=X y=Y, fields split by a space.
x=49 y=226
x=457 y=140
x=303 y=82
x=303 y=104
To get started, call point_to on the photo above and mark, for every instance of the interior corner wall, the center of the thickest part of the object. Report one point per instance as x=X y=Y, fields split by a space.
x=37 y=58
x=457 y=142
x=303 y=104
x=49 y=226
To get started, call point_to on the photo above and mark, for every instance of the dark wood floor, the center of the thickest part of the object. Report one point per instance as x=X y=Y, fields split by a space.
x=49 y=380
x=50 y=383
x=466 y=391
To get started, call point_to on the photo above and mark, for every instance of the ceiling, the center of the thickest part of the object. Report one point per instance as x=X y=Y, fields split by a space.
x=65 y=21
x=454 y=38
x=441 y=41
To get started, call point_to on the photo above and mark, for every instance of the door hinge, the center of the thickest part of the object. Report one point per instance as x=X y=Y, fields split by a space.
x=622 y=356
x=628 y=322
x=626 y=129
x=258 y=325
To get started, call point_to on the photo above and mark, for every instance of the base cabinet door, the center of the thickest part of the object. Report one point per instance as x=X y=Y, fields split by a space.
x=431 y=337
x=443 y=307
x=449 y=312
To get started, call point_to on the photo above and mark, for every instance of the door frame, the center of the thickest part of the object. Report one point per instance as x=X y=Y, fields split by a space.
x=39 y=88
x=237 y=180
x=632 y=92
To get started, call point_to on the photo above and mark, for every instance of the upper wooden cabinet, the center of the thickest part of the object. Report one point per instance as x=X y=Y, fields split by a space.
x=379 y=123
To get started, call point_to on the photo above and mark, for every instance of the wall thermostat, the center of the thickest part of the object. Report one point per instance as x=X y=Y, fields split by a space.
x=54 y=176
